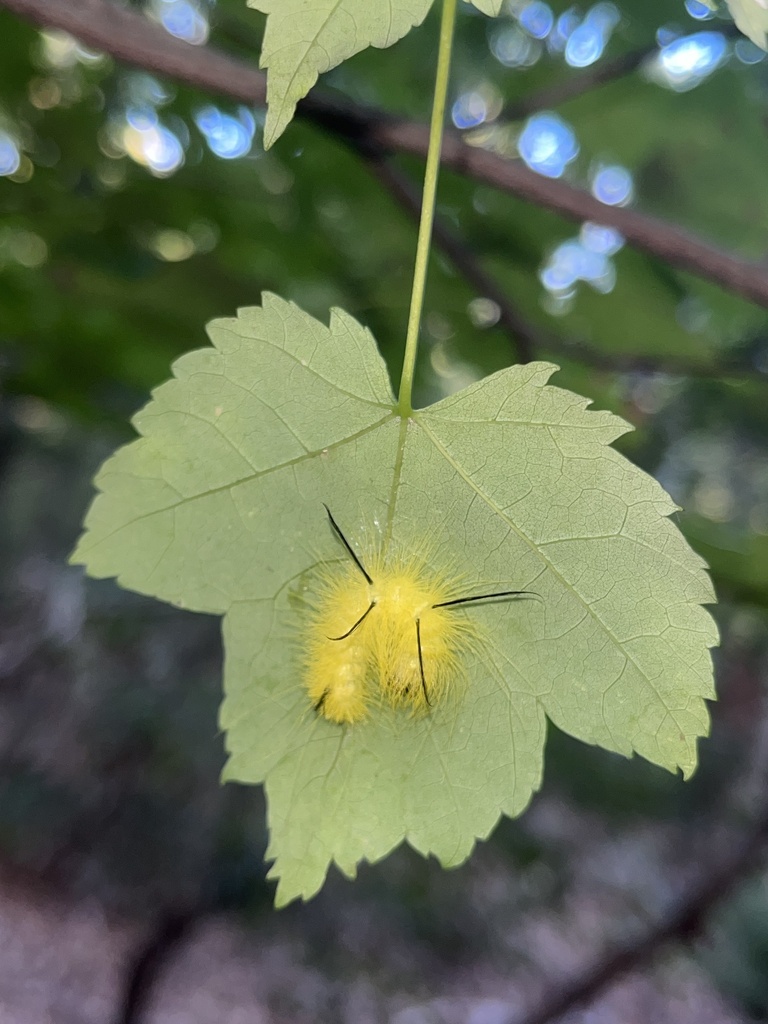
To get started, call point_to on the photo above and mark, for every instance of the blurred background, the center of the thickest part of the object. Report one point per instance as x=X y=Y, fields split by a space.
x=133 y=209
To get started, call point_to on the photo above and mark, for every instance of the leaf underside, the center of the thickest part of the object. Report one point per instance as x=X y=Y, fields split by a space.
x=751 y=17
x=305 y=38
x=490 y=7
x=218 y=507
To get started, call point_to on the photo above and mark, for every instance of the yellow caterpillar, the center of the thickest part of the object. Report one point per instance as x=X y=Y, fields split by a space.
x=392 y=632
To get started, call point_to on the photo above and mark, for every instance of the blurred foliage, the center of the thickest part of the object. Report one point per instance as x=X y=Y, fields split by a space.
x=97 y=322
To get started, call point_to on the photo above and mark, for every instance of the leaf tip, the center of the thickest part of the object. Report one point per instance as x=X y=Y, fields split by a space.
x=289 y=886
x=272 y=132
x=280 y=113
x=76 y=556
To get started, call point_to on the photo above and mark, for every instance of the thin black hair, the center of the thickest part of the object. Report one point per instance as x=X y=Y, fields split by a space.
x=360 y=566
x=484 y=597
x=421 y=663
x=320 y=703
x=347 y=545
x=359 y=622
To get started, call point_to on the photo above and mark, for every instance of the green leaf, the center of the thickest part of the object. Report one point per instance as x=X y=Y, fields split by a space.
x=304 y=38
x=751 y=16
x=490 y=7
x=219 y=507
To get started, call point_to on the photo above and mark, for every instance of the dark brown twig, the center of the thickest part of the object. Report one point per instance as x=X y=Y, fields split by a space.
x=580 y=352
x=130 y=37
x=522 y=337
x=578 y=83
x=527 y=341
x=144 y=969
x=669 y=243
x=685 y=919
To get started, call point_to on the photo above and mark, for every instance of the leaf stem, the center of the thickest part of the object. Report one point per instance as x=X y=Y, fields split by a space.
x=447 y=24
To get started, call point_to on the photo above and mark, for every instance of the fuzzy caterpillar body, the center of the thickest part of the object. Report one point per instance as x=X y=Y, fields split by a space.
x=405 y=596
x=404 y=650
x=337 y=681
x=336 y=673
x=393 y=631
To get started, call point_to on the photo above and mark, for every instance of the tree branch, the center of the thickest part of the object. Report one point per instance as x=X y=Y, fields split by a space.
x=148 y=961
x=522 y=337
x=130 y=37
x=577 y=84
x=527 y=340
x=671 y=244
x=683 y=921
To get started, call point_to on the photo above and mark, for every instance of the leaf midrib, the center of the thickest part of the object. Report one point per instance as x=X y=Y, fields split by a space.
x=246 y=479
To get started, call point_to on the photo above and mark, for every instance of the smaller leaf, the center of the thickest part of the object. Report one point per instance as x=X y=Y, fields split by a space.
x=751 y=16
x=490 y=7
x=304 y=38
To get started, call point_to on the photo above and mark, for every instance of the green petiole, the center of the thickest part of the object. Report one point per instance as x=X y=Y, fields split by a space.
x=447 y=25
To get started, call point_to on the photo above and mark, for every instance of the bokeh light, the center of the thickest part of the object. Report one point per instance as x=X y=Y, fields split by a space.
x=586 y=258
x=484 y=313
x=44 y=93
x=144 y=90
x=537 y=19
x=24 y=247
x=476 y=106
x=183 y=19
x=685 y=62
x=514 y=48
x=63 y=52
x=171 y=245
x=10 y=156
x=547 y=144
x=572 y=262
x=666 y=34
x=698 y=10
x=149 y=143
x=748 y=52
x=469 y=110
x=565 y=25
x=587 y=42
x=601 y=238
x=228 y=137
x=612 y=185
